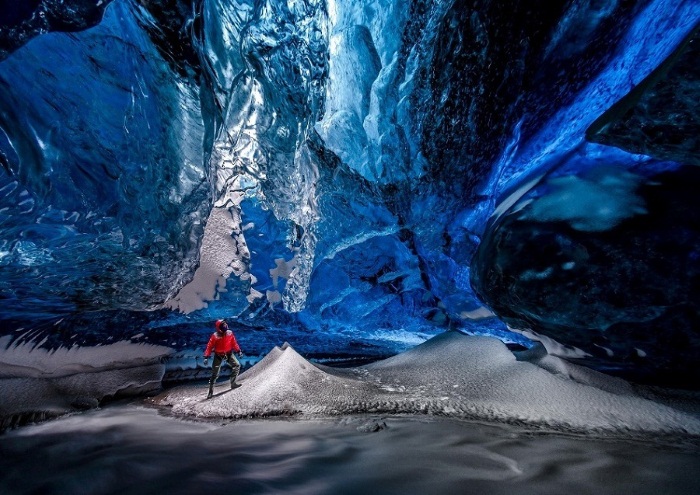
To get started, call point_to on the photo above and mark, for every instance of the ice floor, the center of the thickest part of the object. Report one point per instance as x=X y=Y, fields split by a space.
x=132 y=449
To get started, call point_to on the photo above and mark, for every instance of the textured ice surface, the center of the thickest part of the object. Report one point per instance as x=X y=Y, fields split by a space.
x=37 y=383
x=91 y=452
x=223 y=253
x=452 y=375
x=102 y=188
x=27 y=359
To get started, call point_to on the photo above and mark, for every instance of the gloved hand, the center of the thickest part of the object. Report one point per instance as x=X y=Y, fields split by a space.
x=206 y=361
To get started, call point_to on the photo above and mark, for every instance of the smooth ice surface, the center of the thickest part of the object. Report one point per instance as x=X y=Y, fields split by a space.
x=92 y=452
x=592 y=203
x=450 y=375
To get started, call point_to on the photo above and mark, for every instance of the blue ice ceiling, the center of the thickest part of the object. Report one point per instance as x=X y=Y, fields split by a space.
x=354 y=176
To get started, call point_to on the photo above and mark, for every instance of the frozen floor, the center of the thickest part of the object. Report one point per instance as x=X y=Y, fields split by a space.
x=132 y=449
x=456 y=414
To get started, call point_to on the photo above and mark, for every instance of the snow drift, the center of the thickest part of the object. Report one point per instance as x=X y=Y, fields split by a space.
x=450 y=375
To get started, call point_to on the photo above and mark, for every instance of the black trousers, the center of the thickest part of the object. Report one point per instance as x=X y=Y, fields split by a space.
x=219 y=360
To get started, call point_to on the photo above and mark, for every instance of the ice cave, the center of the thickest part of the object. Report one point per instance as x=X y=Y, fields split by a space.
x=457 y=241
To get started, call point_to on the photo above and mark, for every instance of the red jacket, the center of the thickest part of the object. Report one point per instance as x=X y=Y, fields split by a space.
x=222 y=344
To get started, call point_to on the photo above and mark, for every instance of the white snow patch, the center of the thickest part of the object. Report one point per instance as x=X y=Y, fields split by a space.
x=553 y=347
x=223 y=253
x=25 y=359
x=283 y=269
x=273 y=297
x=477 y=314
x=607 y=350
x=399 y=336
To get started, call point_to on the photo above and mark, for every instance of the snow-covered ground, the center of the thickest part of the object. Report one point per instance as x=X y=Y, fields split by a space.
x=451 y=375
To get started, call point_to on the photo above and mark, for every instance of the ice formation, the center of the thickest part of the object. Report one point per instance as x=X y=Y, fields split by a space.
x=37 y=384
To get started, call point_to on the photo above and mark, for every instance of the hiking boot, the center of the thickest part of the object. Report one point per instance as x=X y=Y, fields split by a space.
x=235 y=385
x=211 y=392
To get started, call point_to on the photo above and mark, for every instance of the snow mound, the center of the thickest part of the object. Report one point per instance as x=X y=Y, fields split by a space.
x=449 y=375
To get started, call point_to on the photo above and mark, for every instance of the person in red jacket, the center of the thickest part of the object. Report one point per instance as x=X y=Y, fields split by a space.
x=224 y=344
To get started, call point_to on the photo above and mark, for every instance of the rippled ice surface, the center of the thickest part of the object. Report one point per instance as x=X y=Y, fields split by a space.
x=133 y=449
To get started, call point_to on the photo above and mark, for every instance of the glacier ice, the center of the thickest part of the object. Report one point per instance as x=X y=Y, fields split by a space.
x=103 y=171
x=596 y=202
x=609 y=280
x=347 y=172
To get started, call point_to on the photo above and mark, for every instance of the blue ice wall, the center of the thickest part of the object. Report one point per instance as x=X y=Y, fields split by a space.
x=103 y=185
